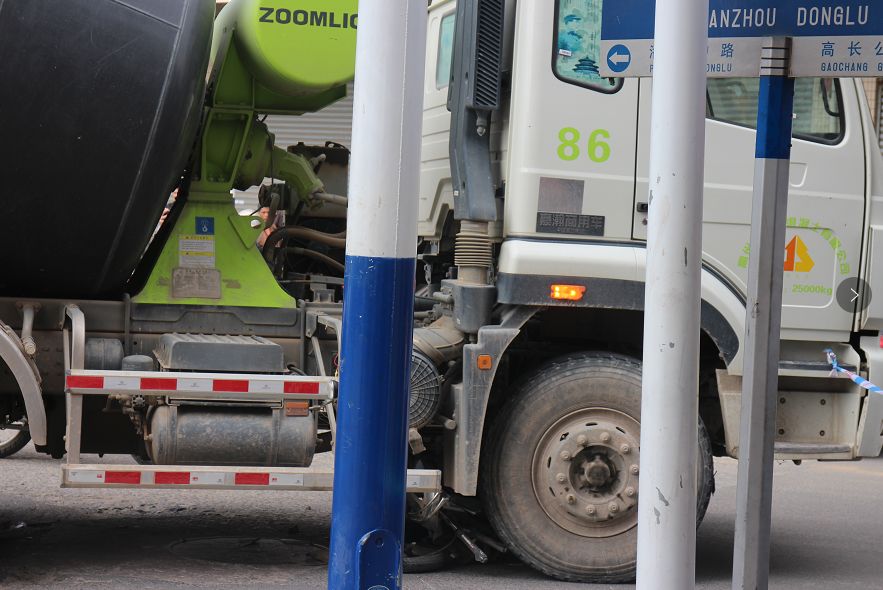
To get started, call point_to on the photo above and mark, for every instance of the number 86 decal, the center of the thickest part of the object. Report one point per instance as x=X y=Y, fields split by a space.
x=598 y=150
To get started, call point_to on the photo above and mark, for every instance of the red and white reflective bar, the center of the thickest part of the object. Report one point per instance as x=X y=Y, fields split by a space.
x=200 y=385
x=221 y=478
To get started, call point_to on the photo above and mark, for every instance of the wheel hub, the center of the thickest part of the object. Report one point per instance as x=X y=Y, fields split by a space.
x=585 y=472
x=597 y=473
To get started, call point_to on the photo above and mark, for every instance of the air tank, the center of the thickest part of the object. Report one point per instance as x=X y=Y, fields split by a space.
x=100 y=102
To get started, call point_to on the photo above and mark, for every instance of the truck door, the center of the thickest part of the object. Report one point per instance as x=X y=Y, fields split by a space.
x=825 y=203
x=436 y=191
x=572 y=134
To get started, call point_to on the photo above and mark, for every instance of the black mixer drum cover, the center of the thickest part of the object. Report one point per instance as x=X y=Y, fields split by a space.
x=100 y=103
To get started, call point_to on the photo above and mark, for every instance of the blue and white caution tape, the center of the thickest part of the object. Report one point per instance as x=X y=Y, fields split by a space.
x=859 y=380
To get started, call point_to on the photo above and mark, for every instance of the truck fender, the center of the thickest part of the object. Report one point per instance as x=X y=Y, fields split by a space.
x=28 y=379
x=613 y=276
x=471 y=399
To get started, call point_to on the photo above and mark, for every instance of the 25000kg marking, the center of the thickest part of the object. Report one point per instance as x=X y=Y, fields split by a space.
x=569 y=149
x=822 y=289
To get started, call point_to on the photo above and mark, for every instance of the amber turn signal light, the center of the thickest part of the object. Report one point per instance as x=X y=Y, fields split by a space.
x=567 y=292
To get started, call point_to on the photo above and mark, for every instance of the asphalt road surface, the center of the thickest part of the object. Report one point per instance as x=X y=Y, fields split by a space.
x=827 y=534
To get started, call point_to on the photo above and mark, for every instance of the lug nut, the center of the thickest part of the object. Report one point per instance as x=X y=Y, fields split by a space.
x=613 y=507
x=565 y=455
x=581 y=440
x=561 y=478
x=625 y=449
x=630 y=492
x=590 y=510
x=571 y=499
x=634 y=469
x=605 y=437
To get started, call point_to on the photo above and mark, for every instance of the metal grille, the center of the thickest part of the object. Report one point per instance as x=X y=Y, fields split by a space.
x=333 y=123
x=488 y=54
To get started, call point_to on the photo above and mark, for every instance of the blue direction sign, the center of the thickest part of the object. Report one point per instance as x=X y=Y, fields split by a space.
x=619 y=58
x=830 y=37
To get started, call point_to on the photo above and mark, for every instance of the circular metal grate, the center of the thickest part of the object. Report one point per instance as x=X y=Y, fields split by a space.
x=425 y=390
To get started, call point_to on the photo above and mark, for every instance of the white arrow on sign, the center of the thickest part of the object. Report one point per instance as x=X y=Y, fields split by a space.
x=619 y=58
x=854 y=298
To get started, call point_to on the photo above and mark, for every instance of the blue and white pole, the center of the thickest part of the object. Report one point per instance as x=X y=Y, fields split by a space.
x=368 y=511
x=754 y=488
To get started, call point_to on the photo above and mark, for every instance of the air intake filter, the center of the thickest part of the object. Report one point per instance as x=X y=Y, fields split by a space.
x=425 y=391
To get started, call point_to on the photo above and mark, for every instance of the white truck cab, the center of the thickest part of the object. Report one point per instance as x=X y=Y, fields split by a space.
x=567 y=167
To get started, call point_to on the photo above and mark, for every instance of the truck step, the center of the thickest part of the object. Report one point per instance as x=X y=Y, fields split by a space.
x=221 y=478
x=788 y=448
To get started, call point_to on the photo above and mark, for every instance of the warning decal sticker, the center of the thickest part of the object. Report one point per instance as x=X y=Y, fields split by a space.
x=196 y=251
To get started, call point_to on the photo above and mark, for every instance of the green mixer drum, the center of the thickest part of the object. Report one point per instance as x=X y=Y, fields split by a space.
x=295 y=46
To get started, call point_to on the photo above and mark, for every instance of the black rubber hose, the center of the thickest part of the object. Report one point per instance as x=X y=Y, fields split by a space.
x=424 y=303
x=317 y=256
x=303 y=233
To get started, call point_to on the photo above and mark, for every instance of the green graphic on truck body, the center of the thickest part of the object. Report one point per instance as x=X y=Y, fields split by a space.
x=815 y=262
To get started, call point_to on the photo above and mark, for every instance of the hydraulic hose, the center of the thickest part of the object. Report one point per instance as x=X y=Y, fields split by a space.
x=332 y=199
x=318 y=256
x=302 y=233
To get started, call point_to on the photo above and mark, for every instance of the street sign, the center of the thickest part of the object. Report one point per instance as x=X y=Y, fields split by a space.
x=619 y=58
x=831 y=38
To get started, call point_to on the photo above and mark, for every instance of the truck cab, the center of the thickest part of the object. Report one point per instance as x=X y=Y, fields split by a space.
x=567 y=174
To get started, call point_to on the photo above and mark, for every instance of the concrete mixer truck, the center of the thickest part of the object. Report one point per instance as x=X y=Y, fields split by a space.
x=207 y=348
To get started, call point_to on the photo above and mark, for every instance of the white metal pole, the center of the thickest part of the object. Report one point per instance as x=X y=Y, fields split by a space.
x=670 y=406
x=368 y=512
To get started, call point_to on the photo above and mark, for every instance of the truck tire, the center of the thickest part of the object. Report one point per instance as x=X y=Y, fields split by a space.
x=14 y=443
x=414 y=562
x=560 y=466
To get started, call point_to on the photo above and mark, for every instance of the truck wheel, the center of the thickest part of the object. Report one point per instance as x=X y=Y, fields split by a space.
x=560 y=468
x=12 y=441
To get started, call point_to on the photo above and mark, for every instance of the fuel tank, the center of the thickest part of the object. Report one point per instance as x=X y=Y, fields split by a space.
x=188 y=434
x=100 y=103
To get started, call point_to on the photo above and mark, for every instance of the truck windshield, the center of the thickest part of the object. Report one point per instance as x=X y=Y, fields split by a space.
x=577 y=45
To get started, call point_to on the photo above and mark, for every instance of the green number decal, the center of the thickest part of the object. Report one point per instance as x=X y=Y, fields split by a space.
x=568 y=150
x=599 y=150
